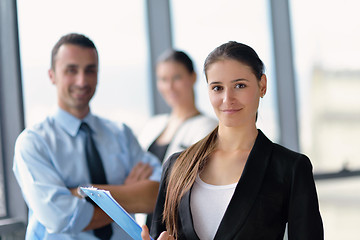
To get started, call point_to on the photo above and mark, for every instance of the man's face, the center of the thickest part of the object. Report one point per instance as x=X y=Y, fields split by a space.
x=75 y=76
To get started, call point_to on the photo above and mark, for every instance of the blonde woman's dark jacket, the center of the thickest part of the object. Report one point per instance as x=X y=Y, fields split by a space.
x=276 y=187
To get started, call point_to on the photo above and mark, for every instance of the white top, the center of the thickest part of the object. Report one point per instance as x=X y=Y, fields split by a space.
x=208 y=204
x=190 y=131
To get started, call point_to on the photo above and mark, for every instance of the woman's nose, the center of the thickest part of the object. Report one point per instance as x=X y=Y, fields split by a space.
x=170 y=84
x=228 y=96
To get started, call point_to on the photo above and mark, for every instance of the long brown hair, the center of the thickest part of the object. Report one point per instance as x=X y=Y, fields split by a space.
x=182 y=176
x=192 y=160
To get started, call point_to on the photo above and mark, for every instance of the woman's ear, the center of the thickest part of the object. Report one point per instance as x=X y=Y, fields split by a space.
x=263 y=85
x=193 y=77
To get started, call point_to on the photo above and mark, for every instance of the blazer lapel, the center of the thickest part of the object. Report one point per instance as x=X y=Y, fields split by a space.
x=186 y=217
x=247 y=188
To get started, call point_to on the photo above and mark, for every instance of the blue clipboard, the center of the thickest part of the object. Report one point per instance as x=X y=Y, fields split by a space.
x=112 y=208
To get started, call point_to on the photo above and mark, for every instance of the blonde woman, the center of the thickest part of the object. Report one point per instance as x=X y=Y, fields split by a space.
x=165 y=134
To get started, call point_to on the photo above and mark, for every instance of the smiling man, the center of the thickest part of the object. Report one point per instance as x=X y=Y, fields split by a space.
x=72 y=148
x=74 y=72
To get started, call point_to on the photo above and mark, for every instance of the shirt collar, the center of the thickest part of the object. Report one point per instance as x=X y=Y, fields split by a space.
x=70 y=123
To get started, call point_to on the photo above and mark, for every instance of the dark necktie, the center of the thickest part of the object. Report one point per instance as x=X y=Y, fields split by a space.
x=97 y=174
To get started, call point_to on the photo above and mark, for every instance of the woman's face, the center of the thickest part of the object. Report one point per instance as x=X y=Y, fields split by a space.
x=175 y=83
x=234 y=92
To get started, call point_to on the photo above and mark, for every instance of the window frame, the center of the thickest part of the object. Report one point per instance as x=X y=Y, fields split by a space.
x=11 y=116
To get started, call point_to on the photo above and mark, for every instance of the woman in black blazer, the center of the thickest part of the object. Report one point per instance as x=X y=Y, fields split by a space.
x=235 y=183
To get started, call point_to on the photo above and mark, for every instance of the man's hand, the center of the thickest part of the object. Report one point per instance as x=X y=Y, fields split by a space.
x=140 y=172
x=75 y=192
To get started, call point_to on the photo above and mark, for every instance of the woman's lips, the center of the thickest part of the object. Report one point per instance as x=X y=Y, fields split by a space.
x=230 y=110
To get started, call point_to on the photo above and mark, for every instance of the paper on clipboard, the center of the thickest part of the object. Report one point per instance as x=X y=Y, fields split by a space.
x=112 y=208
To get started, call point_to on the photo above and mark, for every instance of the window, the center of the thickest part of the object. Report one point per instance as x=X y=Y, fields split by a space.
x=200 y=26
x=326 y=46
x=12 y=206
x=328 y=76
x=2 y=190
x=120 y=36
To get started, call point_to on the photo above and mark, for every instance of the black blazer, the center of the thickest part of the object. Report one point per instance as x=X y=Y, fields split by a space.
x=276 y=187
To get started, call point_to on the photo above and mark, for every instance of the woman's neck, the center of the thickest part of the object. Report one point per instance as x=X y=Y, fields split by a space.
x=184 y=113
x=234 y=139
x=177 y=118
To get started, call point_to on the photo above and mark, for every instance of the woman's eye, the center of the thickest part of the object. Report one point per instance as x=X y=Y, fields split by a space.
x=161 y=79
x=240 y=85
x=216 y=88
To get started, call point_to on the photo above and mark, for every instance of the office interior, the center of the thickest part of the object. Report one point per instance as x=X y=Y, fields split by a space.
x=309 y=49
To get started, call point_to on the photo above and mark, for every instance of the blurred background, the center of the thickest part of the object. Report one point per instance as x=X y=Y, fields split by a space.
x=310 y=50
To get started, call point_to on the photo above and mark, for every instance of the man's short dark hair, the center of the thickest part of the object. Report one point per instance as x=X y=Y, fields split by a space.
x=71 y=38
